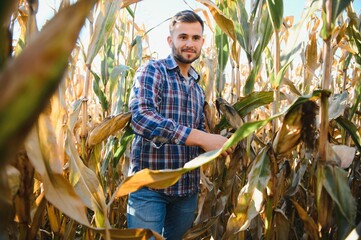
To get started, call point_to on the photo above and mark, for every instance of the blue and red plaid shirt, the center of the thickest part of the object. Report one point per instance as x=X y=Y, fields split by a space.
x=164 y=109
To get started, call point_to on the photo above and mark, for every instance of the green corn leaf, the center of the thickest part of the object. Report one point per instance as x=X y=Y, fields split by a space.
x=275 y=8
x=277 y=81
x=223 y=54
x=100 y=94
x=338 y=6
x=337 y=105
x=249 y=87
x=254 y=100
x=357 y=100
x=351 y=129
x=336 y=184
x=104 y=25
x=123 y=143
x=242 y=28
x=247 y=104
x=117 y=75
x=267 y=31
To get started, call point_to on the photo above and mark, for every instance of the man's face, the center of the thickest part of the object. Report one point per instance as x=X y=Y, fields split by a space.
x=186 y=42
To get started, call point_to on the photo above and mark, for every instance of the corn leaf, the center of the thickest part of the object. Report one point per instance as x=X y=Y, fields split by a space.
x=99 y=92
x=256 y=99
x=290 y=133
x=7 y=7
x=336 y=184
x=351 y=129
x=123 y=143
x=337 y=105
x=152 y=178
x=25 y=88
x=165 y=178
x=136 y=234
x=223 y=54
x=225 y=24
x=338 y=6
x=354 y=33
x=275 y=8
x=247 y=104
x=86 y=183
x=58 y=190
x=117 y=72
x=104 y=25
x=277 y=81
x=250 y=199
x=229 y=112
x=40 y=147
x=242 y=29
x=309 y=224
x=282 y=225
x=266 y=29
x=294 y=43
x=107 y=127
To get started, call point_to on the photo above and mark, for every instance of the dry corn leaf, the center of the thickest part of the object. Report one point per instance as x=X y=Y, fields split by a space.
x=225 y=24
x=28 y=82
x=107 y=127
x=58 y=190
x=309 y=224
x=13 y=176
x=86 y=183
x=345 y=153
x=250 y=199
x=290 y=133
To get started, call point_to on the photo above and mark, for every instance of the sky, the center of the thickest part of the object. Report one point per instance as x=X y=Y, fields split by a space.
x=153 y=12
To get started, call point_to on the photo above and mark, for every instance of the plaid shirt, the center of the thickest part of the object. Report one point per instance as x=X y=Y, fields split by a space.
x=164 y=109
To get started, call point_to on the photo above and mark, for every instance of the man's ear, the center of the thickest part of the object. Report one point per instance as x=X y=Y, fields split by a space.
x=169 y=40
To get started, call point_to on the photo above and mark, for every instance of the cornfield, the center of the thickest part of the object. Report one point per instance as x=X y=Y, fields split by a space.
x=290 y=104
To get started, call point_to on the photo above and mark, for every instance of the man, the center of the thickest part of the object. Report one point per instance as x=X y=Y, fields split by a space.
x=167 y=118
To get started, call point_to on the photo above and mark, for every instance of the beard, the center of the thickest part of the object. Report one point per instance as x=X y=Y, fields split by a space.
x=177 y=54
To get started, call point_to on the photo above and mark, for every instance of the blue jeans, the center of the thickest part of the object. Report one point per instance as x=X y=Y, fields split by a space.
x=170 y=216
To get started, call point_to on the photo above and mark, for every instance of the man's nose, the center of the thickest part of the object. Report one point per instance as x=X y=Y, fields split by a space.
x=189 y=42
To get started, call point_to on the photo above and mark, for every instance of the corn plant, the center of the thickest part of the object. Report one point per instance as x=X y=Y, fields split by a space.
x=291 y=109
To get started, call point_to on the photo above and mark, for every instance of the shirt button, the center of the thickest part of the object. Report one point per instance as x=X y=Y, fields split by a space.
x=176 y=141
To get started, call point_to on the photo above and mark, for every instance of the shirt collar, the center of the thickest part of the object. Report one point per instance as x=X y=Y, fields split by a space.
x=171 y=64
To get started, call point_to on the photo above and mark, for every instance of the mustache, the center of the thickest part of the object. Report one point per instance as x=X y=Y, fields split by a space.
x=188 y=50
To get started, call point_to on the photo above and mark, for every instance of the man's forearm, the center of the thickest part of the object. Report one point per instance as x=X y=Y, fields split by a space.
x=207 y=141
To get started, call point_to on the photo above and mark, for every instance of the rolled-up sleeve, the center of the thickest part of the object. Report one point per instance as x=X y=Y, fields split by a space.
x=144 y=105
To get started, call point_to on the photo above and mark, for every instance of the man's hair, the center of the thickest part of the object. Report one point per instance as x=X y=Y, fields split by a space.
x=187 y=16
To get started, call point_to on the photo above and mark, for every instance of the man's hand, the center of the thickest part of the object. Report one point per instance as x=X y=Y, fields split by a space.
x=207 y=141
